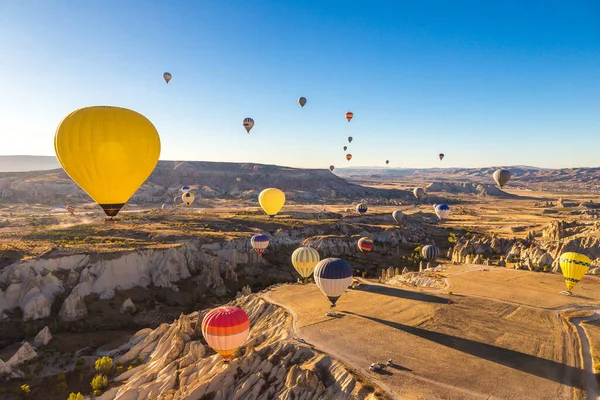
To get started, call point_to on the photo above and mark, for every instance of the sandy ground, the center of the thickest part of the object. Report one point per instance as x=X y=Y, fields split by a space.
x=500 y=335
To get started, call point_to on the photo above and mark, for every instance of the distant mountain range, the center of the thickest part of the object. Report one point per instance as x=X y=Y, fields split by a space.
x=27 y=163
x=213 y=174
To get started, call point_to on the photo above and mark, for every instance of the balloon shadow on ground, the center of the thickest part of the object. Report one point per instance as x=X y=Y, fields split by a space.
x=541 y=367
x=401 y=293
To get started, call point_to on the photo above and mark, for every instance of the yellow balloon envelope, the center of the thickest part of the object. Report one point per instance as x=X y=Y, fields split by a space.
x=188 y=198
x=573 y=266
x=304 y=260
x=108 y=151
x=271 y=200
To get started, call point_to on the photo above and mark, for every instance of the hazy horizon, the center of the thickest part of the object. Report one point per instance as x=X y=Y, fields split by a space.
x=505 y=83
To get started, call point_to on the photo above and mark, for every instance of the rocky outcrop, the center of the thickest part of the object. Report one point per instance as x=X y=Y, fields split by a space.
x=43 y=337
x=479 y=189
x=425 y=278
x=73 y=308
x=128 y=306
x=176 y=365
x=536 y=255
x=25 y=353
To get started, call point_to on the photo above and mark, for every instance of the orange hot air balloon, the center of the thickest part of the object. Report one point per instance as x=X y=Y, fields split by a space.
x=225 y=329
x=349 y=115
x=348 y=157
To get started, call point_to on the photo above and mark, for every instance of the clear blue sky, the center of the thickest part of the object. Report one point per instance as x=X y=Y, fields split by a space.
x=485 y=82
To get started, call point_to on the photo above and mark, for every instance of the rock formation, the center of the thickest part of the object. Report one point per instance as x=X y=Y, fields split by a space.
x=73 y=308
x=176 y=364
x=128 y=306
x=43 y=337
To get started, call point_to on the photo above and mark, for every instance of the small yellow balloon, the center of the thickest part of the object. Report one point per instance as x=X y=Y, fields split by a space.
x=188 y=198
x=108 y=151
x=573 y=266
x=271 y=200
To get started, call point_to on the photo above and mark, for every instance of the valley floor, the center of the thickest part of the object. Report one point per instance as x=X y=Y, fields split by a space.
x=493 y=333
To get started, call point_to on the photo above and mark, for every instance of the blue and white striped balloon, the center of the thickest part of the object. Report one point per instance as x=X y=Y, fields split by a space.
x=442 y=211
x=430 y=252
x=361 y=208
x=333 y=276
x=260 y=243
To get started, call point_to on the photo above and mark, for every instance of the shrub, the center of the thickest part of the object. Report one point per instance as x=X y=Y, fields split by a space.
x=104 y=365
x=61 y=377
x=25 y=389
x=74 y=396
x=99 y=383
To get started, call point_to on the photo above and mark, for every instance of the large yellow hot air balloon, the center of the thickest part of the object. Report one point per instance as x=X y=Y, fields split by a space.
x=304 y=259
x=573 y=266
x=108 y=151
x=271 y=200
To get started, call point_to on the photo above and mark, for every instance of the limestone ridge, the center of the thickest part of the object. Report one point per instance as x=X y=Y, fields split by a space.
x=213 y=179
x=32 y=285
x=177 y=365
x=536 y=255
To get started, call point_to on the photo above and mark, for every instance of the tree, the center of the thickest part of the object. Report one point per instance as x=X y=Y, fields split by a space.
x=74 y=396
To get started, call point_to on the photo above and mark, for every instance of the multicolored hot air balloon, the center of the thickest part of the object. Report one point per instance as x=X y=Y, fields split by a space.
x=441 y=156
x=349 y=115
x=108 y=151
x=398 y=216
x=225 y=329
x=430 y=253
x=365 y=244
x=331 y=168
x=442 y=211
x=350 y=139
x=304 y=260
x=188 y=198
x=419 y=193
x=302 y=101
x=502 y=176
x=185 y=189
x=71 y=210
x=361 y=208
x=248 y=124
x=256 y=167
x=259 y=243
x=167 y=76
x=333 y=276
x=348 y=156
x=573 y=266
x=345 y=148
x=271 y=200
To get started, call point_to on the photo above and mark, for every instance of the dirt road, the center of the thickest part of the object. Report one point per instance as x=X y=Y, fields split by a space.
x=502 y=334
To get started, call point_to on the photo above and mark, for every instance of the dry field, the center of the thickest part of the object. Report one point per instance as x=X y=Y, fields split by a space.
x=493 y=334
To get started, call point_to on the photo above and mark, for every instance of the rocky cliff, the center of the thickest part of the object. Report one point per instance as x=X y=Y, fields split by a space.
x=33 y=285
x=177 y=364
x=536 y=255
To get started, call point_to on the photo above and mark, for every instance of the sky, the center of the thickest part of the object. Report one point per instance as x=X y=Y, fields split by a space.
x=487 y=83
